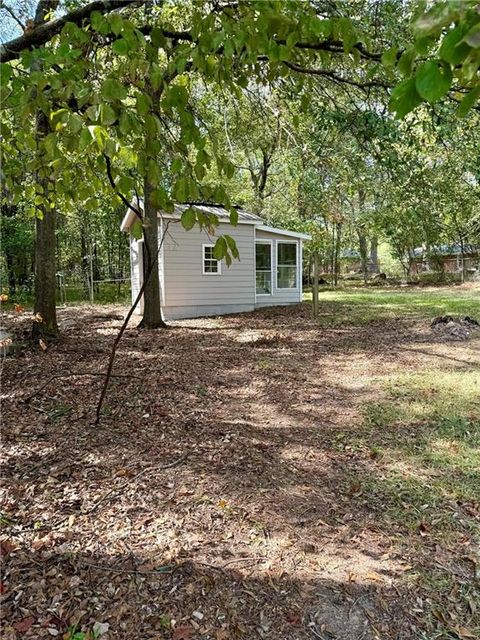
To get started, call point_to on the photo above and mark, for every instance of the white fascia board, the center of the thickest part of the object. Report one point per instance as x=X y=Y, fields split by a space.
x=128 y=219
x=282 y=232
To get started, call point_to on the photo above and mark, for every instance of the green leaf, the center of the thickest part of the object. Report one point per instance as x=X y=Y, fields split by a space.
x=433 y=80
x=136 y=230
x=321 y=28
x=232 y=246
x=159 y=198
x=116 y=23
x=180 y=189
x=188 y=219
x=440 y=15
x=112 y=89
x=233 y=216
x=468 y=101
x=220 y=249
x=143 y=104
x=406 y=62
x=453 y=50
x=347 y=33
x=157 y=38
x=473 y=36
x=177 y=164
x=107 y=115
x=153 y=125
x=5 y=74
x=125 y=185
x=154 y=174
x=75 y=122
x=121 y=47
x=99 y=23
x=404 y=98
x=389 y=57
x=85 y=139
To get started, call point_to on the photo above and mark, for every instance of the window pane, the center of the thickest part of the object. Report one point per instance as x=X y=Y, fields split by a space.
x=264 y=282
x=287 y=253
x=287 y=277
x=263 y=256
x=210 y=266
x=208 y=253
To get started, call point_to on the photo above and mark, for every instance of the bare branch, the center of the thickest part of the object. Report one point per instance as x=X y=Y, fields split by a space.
x=10 y=11
x=335 y=77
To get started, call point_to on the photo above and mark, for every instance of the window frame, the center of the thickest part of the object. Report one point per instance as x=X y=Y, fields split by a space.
x=219 y=262
x=277 y=265
x=269 y=242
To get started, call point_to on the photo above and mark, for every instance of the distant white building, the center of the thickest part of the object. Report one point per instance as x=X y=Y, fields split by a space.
x=194 y=284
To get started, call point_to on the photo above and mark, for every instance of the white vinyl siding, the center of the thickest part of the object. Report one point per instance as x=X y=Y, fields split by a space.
x=185 y=283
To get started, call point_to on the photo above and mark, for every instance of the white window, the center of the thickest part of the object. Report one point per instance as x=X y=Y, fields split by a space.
x=286 y=265
x=263 y=268
x=210 y=265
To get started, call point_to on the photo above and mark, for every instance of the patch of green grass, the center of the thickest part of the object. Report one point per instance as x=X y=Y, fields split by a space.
x=427 y=426
x=359 y=306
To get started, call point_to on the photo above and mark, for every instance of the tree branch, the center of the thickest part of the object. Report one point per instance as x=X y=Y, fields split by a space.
x=44 y=32
x=128 y=204
x=12 y=14
x=333 y=76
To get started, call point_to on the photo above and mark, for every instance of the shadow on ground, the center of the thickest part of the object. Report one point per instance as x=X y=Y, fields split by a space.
x=280 y=520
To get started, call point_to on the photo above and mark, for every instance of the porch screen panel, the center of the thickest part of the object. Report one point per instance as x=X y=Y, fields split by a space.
x=287 y=265
x=263 y=268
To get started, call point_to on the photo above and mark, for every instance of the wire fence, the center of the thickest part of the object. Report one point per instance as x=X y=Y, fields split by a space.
x=105 y=290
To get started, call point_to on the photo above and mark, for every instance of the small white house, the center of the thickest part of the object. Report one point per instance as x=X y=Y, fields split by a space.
x=194 y=284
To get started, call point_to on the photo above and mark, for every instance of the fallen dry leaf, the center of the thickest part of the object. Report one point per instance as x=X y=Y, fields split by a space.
x=464 y=633
x=183 y=632
x=24 y=625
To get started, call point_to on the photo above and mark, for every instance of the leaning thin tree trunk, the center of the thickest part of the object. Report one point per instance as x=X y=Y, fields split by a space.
x=152 y=311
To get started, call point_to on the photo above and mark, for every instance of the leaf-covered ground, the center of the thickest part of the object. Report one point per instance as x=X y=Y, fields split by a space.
x=254 y=476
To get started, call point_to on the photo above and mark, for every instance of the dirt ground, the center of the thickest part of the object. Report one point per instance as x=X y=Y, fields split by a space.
x=233 y=488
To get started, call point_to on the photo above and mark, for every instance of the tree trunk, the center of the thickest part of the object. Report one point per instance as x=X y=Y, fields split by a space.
x=315 y=284
x=44 y=308
x=374 y=254
x=336 y=257
x=152 y=311
x=462 y=257
x=45 y=326
x=363 y=246
x=84 y=252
